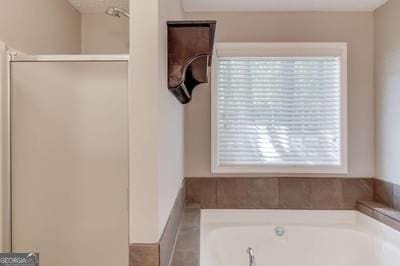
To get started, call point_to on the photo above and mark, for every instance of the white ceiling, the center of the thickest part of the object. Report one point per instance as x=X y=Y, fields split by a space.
x=98 y=6
x=281 y=5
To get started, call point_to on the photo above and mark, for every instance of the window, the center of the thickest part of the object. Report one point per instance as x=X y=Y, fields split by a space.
x=279 y=108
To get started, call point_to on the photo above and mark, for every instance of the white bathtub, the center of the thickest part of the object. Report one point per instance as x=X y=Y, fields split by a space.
x=312 y=238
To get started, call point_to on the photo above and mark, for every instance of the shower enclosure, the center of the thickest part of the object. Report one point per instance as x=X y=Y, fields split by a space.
x=69 y=158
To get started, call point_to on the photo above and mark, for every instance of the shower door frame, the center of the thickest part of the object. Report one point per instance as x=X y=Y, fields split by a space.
x=16 y=56
x=69 y=58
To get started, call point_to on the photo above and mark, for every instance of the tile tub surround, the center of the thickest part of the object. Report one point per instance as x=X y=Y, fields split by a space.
x=187 y=249
x=380 y=212
x=278 y=193
x=159 y=254
x=387 y=193
x=375 y=198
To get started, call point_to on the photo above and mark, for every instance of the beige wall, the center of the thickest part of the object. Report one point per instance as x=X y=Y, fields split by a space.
x=171 y=136
x=4 y=160
x=143 y=121
x=104 y=34
x=35 y=27
x=387 y=91
x=354 y=28
x=40 y=26
x=156 y=158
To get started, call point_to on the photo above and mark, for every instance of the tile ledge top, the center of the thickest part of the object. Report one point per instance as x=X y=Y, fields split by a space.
x=382 y=209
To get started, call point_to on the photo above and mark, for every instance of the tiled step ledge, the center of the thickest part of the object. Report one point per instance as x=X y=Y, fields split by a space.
x=187 y=248
x=380 y=212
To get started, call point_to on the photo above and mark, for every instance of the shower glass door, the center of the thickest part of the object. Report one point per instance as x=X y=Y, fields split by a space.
x=69 y=152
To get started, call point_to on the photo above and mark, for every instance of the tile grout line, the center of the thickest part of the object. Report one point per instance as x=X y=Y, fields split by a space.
x=216 y=193
x=279 y=193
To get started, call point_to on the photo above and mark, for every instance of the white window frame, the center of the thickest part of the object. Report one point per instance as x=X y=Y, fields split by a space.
x=275 y=50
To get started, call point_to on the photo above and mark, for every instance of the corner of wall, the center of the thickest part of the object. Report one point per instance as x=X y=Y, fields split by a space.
x=156 y=121
x=144 y=121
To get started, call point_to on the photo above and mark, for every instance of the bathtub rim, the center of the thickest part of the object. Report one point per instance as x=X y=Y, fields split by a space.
x=214 y=219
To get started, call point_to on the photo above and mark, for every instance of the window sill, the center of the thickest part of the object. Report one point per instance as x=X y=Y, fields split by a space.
x=340 y=170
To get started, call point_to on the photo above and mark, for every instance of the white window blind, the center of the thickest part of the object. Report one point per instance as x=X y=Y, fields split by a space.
x=279 y=112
